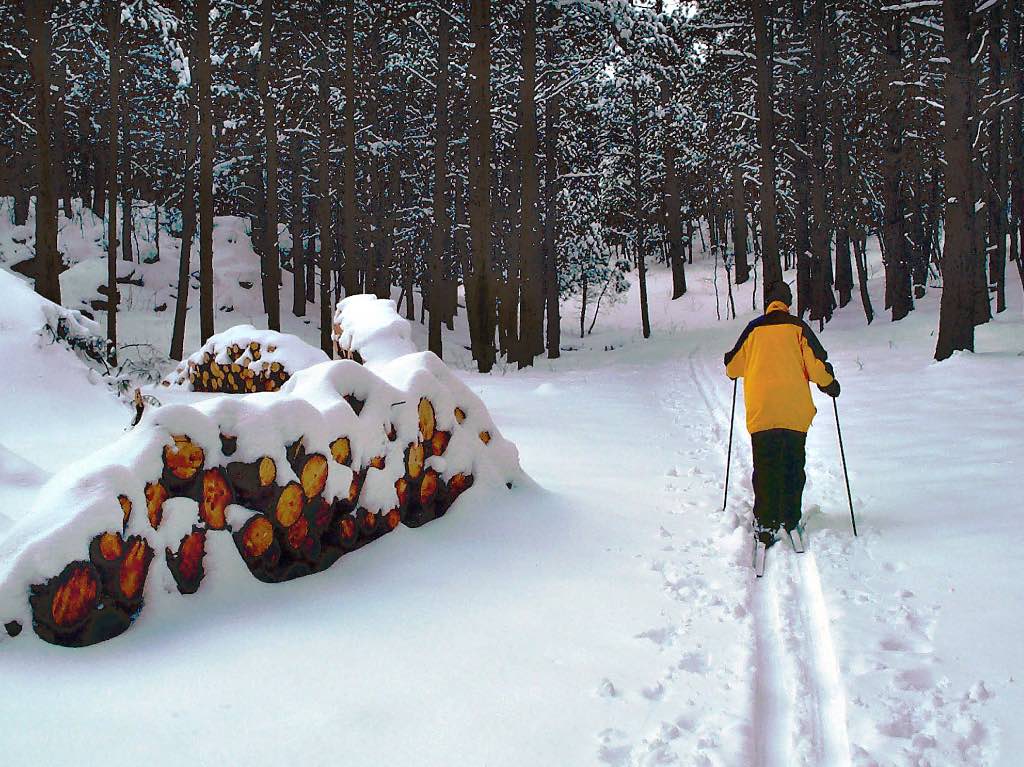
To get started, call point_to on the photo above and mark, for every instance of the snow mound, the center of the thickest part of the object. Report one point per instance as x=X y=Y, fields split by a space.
x=294 y=479
x=370 y=330
x=243 y=359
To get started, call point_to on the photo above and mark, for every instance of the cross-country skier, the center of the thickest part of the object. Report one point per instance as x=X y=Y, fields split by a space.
x=777 y=355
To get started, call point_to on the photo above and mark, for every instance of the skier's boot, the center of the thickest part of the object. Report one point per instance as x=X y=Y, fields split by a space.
x=763 y=540
x=798 y=538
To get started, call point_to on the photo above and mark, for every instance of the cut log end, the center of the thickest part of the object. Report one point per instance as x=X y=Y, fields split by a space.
x=460 y=415
x=485 y=437
x=257 y=535
x=289 y=504
x=134 y=568
x=415 y=458
x=428 y=488
x=341 y=451
x=13 y=628
x=184 y=458
x=216 y=497
x=111 y=547
x=186 y=565
x=439 y=442
x=427 y=419
x=314 y=475
x=76 y=595
x=126 y=509
x=156 y=494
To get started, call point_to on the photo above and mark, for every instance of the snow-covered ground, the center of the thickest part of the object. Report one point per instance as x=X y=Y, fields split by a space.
x=607 y=616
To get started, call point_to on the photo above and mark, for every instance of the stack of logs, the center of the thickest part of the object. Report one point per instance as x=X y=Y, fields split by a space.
x=239 y=375
x=295 y=530
x=340 y=351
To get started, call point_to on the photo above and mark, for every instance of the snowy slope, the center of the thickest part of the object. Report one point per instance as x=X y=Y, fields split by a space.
x=609 y=616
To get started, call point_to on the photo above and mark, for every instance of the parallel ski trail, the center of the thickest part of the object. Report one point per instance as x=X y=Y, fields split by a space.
x=799 y=703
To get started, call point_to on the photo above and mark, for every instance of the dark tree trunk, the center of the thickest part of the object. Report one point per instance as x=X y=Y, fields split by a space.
x=552 y=113
x=203 y=76
x=998 y=175
x=897 y=269
x=272 y=277
x=739 y=223
x=801 y=190
x=671 y=196
x=638 y=213
x=188 y=216
x=770 y=263
x=47 y=263
x=441 y=225
x=350 y=270
x=113 y=110
x=324 y=191
x=296 y=225
x=127 y=180
x=956 y=313
x=531 y=258
x=822 y=300
x=481 y=309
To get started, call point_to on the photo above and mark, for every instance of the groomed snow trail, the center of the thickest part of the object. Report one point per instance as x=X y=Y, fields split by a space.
x=799 y=703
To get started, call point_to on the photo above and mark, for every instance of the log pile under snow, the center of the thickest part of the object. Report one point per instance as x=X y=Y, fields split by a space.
x=244 y=360
x=369 y=330
x=284 y=483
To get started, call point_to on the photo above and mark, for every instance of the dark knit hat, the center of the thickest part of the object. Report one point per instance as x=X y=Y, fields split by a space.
x=779 y=291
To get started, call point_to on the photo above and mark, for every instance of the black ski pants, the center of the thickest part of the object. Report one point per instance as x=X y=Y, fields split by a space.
x=779 y=456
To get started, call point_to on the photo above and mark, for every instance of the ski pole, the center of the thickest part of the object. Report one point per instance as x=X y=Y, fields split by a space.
x=846 y=474
x=728 y=459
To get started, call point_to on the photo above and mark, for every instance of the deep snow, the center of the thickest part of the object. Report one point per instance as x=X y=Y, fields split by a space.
x=608 y=615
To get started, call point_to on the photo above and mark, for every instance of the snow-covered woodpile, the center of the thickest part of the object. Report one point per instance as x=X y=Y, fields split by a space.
x=369 y=330
x=244 y=360
x=274 y=485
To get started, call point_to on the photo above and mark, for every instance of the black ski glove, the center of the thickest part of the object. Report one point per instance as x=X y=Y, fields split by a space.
x=832 y=389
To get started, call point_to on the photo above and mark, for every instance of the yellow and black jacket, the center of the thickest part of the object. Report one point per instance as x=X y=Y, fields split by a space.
x=776 y=355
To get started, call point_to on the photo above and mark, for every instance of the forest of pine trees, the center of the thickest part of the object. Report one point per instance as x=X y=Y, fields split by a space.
x=532 y=150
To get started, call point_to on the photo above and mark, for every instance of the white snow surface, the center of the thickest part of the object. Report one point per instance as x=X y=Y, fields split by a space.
x=372 y=327
x=607 y=615
x=291 y=352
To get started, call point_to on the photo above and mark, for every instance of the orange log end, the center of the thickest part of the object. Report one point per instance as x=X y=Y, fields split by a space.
x=133 y=569
x=314 y=475
x=184 y=458
x=341 y=451
x=76 y=596
x=215 y=499
x=289 y=504
x=257 y=535
x=426 y=419
x=156 y=494
x=111 y=546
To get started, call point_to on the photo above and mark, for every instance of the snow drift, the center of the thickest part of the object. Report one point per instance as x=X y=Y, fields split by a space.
x=293 y=479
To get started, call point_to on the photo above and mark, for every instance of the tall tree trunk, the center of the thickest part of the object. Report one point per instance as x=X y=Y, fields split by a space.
x=822 y=300
x=204 y=77
x=188 y=215
x=801 y=175
x=998 y=175
x=638 y=213
x=482 y=309
x=671 y=196
x=441 y=225
x=47 y=259
x=296 y=225
x=770 y=263
x=739 y=223
x=324 y=191
x=270 y=245
x=956 y=312
x=552 y=114
x=531 y=258
x=114 y=53
x=62 y=174
x=350 y=270
x=127 y=180
x=897 y=269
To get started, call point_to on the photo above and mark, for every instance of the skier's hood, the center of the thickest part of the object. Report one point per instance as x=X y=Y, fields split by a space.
x=777 y=306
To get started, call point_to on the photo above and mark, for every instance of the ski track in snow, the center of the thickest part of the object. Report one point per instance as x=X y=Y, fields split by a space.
x=799 y=704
